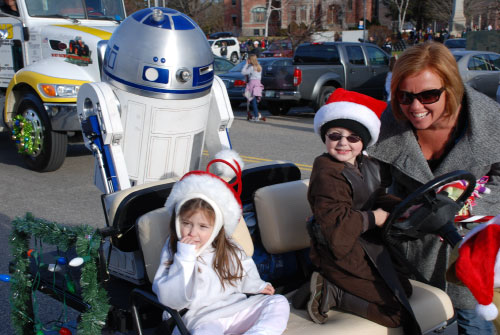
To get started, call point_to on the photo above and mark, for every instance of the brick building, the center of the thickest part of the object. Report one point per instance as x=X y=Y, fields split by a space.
x=333 y=14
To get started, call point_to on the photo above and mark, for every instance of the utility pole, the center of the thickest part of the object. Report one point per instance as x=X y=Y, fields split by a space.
x=364 y=20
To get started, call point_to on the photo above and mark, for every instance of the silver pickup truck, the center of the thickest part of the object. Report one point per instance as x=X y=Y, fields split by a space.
x=319 y=68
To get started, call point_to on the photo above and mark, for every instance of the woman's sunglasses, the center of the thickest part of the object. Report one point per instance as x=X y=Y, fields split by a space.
x=337 y=137
x=425 y=97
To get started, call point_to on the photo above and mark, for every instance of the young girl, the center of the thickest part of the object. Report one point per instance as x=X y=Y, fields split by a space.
x=254 y=88
x=204 y=270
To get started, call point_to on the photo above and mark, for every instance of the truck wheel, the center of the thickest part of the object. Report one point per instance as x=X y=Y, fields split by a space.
x=234 y=57
x=276 y=108
x=323 y=95
x=50 y=153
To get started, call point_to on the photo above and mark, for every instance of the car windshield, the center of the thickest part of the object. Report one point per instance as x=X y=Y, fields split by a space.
x=210 y=42
x=458 y=43
x=77 y=9
x=279 y=46
x=457 y=57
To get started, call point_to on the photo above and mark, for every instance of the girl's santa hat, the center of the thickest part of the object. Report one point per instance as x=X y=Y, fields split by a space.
x=224 y=198
x=354 y=111
x=478 y=265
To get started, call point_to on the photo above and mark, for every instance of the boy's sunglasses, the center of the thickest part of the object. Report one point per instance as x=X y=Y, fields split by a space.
x=337 y=137
x=425 y=97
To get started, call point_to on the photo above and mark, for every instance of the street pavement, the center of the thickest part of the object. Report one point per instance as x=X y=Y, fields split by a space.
x=68 y=196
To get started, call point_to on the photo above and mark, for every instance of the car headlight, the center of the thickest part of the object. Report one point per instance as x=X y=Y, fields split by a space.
x=59 y=91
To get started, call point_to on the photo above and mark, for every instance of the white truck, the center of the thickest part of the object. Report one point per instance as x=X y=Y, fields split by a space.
x=48 y=49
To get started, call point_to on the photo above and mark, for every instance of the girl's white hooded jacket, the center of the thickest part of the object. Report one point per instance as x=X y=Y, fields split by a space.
x=191 y=282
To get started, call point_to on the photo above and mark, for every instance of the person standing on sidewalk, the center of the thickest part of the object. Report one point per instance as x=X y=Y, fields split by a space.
x=254 y=88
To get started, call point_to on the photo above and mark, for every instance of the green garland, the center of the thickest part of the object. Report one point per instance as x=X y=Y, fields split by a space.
x=86 y=240
x=24 y=135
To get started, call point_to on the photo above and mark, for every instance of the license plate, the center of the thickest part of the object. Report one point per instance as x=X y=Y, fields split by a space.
x=269 y=94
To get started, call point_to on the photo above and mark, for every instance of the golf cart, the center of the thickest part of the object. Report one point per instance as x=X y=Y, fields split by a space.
x=137 y=222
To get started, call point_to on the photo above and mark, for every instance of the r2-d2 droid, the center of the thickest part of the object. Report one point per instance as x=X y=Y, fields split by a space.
x=158 y=103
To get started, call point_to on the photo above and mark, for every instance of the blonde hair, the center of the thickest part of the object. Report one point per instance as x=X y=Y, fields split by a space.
x=255 y=63
x=226 y=262
x=436 y=58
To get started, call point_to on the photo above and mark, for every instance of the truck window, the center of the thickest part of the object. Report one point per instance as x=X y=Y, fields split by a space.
x=94 y=9
x=355 y=55
x=317 y=54
x=377 y=56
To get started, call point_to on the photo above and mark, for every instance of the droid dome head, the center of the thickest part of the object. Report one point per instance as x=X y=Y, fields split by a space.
x=159 y=52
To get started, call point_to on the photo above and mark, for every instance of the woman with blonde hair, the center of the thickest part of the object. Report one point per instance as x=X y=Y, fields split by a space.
x=436 y=125
x=254 y=88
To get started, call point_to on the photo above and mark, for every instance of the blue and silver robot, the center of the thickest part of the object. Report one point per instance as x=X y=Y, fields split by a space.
x=158 y=103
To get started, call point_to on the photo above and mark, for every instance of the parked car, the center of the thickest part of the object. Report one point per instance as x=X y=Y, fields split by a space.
x=479 y=69
x=319 y=68
x=220 y=34
x=232 y=45
x=455 y=43
x=281 y=48
x=235 y=82
x=222 y=65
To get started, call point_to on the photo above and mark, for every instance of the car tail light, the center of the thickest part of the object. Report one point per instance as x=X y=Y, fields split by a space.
x=239 y=83
x=297 y=76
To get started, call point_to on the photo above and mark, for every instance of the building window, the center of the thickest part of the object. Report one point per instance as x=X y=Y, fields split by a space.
x=303 y=13
x=234 y=18
x=349 y=5
x=259 y=14
x=233 y=2
x=293 y=14
x=256 y=32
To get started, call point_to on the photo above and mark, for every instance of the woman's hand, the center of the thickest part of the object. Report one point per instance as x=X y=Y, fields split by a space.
x=269 y=290
x=380 y=216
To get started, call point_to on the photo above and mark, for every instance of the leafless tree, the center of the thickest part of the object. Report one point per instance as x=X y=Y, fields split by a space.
x=402 y=7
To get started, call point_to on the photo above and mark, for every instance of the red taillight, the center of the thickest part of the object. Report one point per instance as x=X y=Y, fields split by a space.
x=239 y=83
x=297 y=76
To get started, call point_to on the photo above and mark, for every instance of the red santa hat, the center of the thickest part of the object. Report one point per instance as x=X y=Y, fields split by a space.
x=224 y=198
x=354 y=111
x=478 y=265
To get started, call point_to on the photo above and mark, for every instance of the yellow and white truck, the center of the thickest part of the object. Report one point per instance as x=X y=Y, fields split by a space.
x=48 y=49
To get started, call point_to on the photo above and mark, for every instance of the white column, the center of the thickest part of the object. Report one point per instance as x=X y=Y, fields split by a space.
x=457 y=21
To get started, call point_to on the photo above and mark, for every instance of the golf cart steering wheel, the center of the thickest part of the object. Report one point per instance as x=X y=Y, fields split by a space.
x=435 y=214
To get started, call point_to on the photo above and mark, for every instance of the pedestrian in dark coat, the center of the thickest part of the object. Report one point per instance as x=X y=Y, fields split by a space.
x=349 y=208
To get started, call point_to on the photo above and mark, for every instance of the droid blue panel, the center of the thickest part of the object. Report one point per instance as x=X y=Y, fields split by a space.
x=203 y=75
x=155 y=75
x=112 y=59
x=182 y=23
x=165 y=23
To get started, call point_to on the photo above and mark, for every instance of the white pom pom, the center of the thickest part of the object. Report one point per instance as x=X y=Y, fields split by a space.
x=223 y=170
x=487 y=312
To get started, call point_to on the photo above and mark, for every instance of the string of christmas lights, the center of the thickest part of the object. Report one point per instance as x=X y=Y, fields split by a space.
x=86 y=241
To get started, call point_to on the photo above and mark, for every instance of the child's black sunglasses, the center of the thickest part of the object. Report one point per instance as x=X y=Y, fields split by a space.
x=425 y=97
x=337 y=137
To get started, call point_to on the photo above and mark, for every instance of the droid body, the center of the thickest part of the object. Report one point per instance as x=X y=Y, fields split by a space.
x=158 y=103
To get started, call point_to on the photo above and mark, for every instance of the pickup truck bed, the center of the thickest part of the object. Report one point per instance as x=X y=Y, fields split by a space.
x=319 y=68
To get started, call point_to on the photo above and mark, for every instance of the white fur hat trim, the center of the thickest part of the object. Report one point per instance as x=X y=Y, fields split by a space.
x=487 y=312
x=223 y=170
x=211 y=189
x=351 y=111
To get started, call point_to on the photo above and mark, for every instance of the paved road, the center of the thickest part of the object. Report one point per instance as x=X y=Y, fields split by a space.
x=68 y=195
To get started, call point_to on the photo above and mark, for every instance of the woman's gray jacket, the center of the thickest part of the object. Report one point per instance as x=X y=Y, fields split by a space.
x=478 y=152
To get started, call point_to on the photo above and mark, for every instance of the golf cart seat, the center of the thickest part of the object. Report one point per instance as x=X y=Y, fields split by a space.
x=282 y=210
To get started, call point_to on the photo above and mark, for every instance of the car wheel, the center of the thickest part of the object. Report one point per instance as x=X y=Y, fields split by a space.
x=324 y=94
x=277 y=108
x=234 y=57
x=49 y=150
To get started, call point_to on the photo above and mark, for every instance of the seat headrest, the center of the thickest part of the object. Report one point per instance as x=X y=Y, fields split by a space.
x=282 y=211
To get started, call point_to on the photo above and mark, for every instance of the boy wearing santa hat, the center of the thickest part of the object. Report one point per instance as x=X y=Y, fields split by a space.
x=349 y=209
